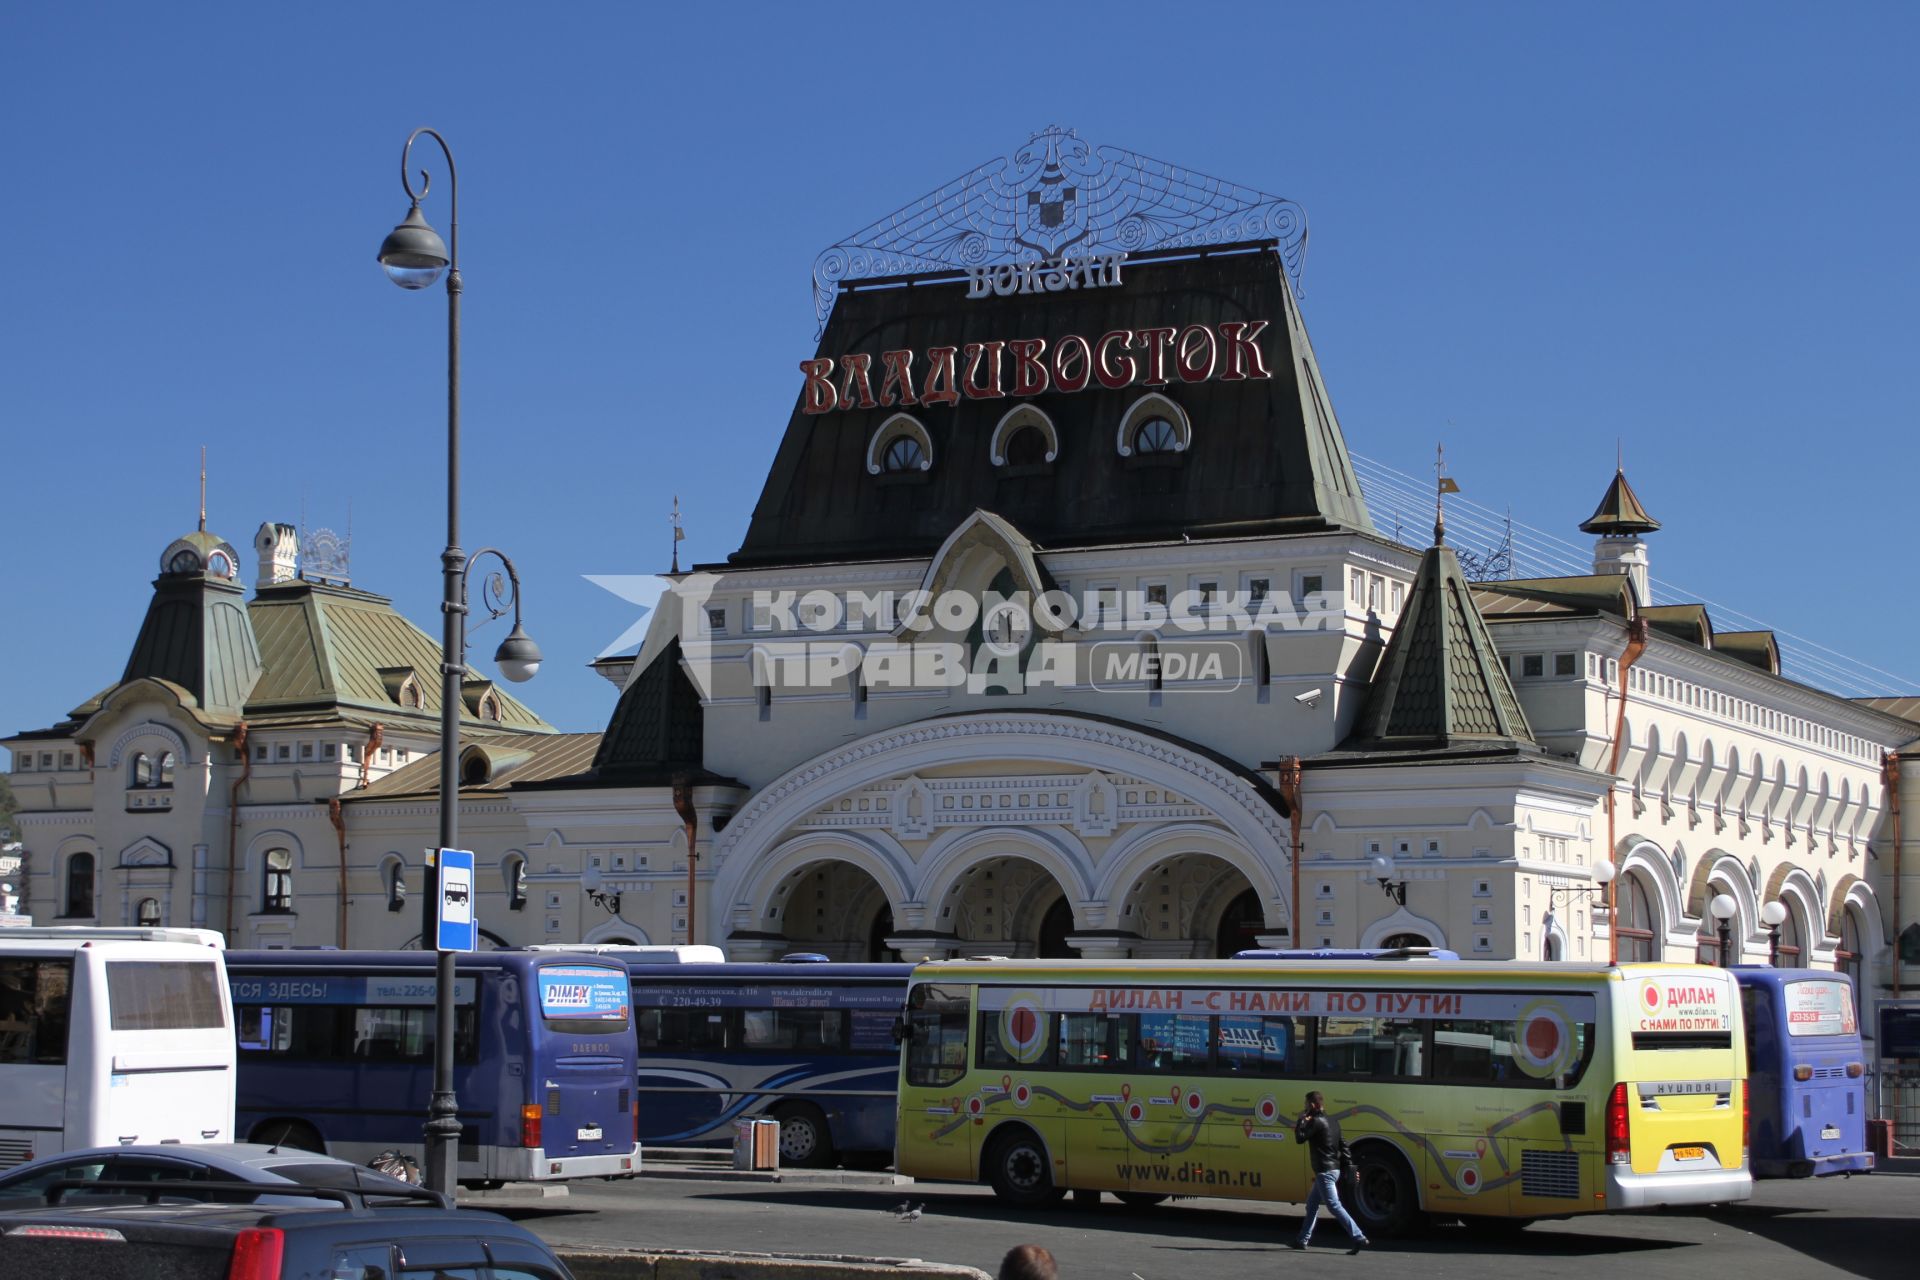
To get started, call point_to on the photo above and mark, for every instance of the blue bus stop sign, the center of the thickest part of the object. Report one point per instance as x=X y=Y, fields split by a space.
x=458 y=930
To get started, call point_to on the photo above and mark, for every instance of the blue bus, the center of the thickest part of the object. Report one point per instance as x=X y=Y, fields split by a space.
x=336 y=1055
x=1806 y=1073
x=809 y=1044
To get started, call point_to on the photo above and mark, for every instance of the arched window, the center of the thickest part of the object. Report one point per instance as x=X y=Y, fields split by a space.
x=142 y=774
x=1024 y=438
x=1846 y=959
x=1636 y=925
x=900 y=447
x=1027 y=447
x=79 y=892
x=1155 y=435
x=476 y=769
x=395 y=875
x=1154 y=427
x=147 y=914
x=515 y=873
x=903 y=453
x=163 y=774
x=277 y=887
x=1396 y=941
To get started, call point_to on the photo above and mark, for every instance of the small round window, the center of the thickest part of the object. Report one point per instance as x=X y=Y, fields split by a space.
x=1156 y=435
x=903 y=453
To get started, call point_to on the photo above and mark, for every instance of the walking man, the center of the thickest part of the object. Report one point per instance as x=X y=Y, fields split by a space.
x=1321 y=1133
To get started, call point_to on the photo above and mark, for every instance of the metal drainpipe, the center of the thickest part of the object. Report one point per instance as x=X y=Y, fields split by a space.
x=233 y=821
x=339 y=822
x=1636 y=645
x=1890 y=777
x=1290 y=771
x=683 y=805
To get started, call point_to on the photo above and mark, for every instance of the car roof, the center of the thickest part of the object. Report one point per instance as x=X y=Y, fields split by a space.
x=205 y=1213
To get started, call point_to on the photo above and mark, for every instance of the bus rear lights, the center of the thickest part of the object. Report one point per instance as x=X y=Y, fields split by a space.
x=1619 y=1140
x=256 y=1254
x=1803 y=1072
x=1855 y=1070
x=42 y=1232
x=530 y=1125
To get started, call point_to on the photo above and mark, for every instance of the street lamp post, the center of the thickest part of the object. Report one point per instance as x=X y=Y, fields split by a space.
x=1773 y=915
x=1723 y=908
x=413 y=256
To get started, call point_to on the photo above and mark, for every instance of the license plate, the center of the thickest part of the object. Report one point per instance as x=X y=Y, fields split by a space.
x=1830 y=1133
x=1689 y=1153
x=588 y=1135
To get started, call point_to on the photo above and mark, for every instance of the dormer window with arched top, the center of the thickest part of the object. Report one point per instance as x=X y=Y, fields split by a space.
x=489 y=708
x=140 y=772
x=901 y=449
x=163 y=771
x=1024 y=442
x=1154 y=432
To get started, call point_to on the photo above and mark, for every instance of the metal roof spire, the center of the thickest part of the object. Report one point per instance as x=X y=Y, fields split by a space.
x=203 y=488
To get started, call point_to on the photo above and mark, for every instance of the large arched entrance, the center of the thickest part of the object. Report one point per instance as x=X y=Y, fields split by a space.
x=1007 y=905
x=833 y=908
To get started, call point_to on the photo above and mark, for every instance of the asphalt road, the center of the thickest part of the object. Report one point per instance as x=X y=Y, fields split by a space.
x=1866 y=1227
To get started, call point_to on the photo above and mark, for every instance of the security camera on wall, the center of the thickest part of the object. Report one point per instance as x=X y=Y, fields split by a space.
x=1310 y=699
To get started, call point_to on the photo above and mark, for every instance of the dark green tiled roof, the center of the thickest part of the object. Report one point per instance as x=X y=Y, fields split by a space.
x=337 y=646
x=195 y=635
x=1440 y=680
x=657 y=727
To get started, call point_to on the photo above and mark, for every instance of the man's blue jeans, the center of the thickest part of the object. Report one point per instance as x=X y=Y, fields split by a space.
x=1326 y=1190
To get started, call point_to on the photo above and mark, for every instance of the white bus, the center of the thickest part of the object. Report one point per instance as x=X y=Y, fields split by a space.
x=112 y=1036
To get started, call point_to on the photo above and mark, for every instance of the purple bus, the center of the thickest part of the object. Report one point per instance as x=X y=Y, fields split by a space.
x=1806 y=1073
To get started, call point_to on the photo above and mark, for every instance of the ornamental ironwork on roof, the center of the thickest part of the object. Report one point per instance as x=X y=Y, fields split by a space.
x=1059 y=195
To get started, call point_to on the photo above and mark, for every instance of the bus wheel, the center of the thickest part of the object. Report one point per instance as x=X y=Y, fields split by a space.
x=1381 y=1195
x=1017 y=1166
x=804 y=1141
x=1139 y=1199
x=288 y=1133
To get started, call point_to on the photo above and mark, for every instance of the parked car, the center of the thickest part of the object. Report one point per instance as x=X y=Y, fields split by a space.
x=229 y=1162
x=176 y=1230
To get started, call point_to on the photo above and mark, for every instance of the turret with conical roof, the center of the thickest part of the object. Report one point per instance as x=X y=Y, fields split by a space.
x=1618 y=522
x=1440 y=683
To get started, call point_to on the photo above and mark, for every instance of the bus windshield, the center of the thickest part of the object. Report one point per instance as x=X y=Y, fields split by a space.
x=1819 y=1007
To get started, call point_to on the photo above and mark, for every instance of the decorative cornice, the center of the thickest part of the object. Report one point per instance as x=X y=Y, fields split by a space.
x=1134 y=742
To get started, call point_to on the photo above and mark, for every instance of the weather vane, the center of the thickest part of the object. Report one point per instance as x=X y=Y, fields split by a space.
x=679 y=533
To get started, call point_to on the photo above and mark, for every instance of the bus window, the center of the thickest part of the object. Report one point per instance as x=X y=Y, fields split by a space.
x=1375 y=1048
x=164 y=995
x=937 y=1023
x=1094 y=1041
x=1174 y=1042
x=34 y=999
x=1268 y=1045
x=1817 y=1007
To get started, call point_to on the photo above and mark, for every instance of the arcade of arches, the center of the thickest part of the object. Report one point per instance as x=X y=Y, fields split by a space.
x=1190 y=905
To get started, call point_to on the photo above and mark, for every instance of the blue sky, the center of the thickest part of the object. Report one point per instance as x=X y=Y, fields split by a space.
x=1536 y=229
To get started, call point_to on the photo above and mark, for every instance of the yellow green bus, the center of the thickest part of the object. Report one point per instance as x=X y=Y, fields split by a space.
x=1495 y=1092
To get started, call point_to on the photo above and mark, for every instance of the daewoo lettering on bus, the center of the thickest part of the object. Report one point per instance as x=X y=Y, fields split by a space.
x=1480 y=1091
x=112 y=1036
x=336 y=1055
